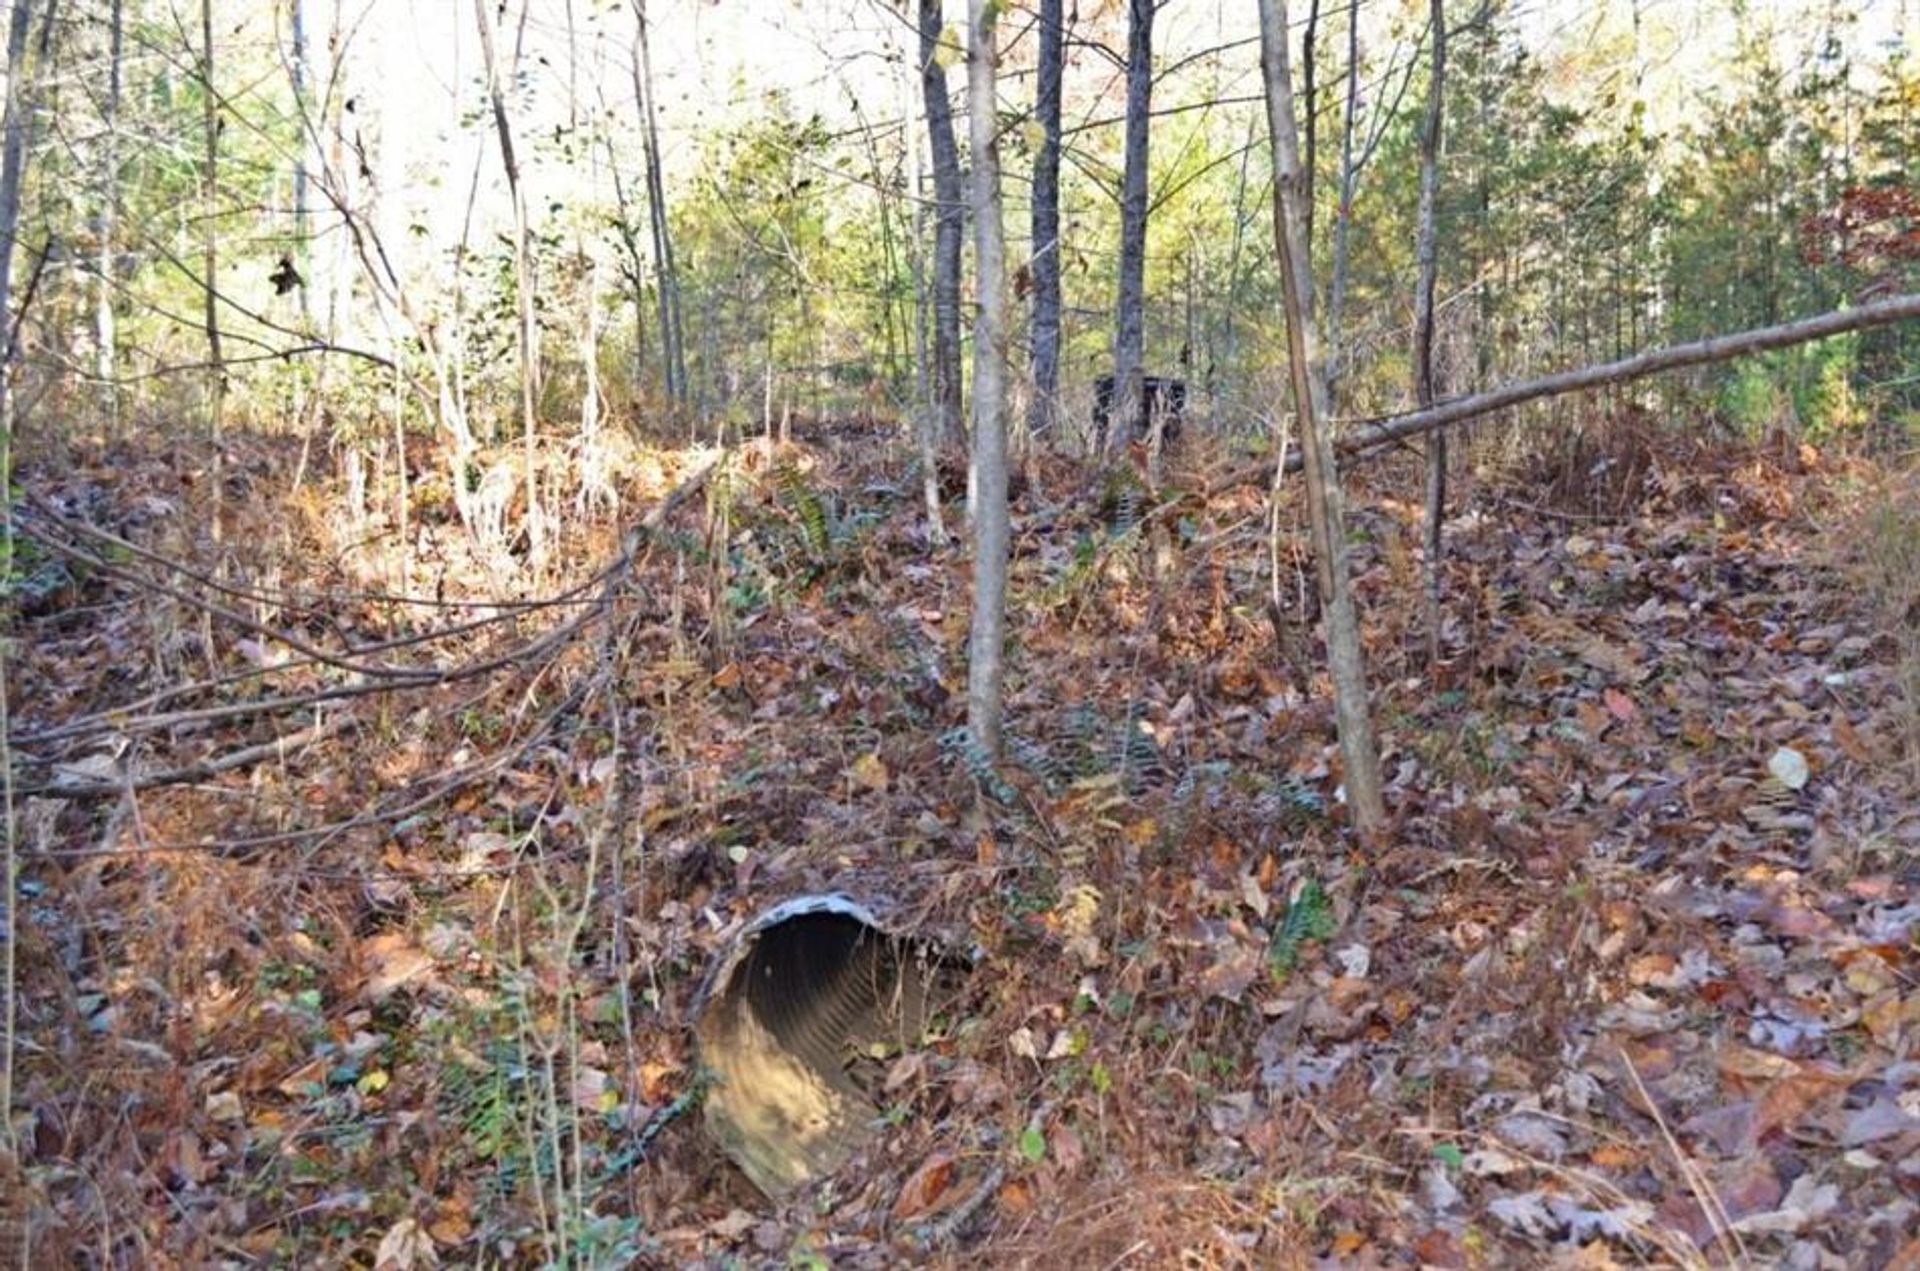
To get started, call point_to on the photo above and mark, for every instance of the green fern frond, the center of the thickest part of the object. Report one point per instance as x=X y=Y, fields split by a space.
x=1309 y=917
x=1080 y=570
x=979 y=764
x=807 y=507
x=1290 y=802
x=1198 y=776
x=1136 y=753
x=1037 y=760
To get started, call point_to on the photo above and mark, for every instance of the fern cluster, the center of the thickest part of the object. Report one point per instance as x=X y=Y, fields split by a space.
x=978 y=763
x=1309 y=917
x=808 y=509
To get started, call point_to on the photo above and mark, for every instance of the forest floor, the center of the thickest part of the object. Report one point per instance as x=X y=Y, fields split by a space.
x=359 y=921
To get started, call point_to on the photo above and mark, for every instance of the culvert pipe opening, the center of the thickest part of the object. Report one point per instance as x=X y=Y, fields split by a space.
x=801 y=994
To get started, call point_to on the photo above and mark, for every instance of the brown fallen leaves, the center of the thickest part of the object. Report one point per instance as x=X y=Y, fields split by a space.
x=1631 y=985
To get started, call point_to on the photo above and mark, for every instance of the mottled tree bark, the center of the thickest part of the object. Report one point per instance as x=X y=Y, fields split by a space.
x=949 y=223
x=522 y=277
x=1426 y=258
x=1044 y=337
x=1129 y=324
x=210 y=250
x=18 y=127
x=673 y=355
x=926 y=424
x=1310 y=86
x=987 y=643
x=107 y=215
x=1343 y=209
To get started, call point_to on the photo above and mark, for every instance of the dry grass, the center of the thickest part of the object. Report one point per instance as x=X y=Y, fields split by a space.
x=1153 y=1220
x=1885 y=557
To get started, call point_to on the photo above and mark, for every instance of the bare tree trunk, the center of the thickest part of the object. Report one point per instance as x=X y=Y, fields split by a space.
x=634 y=270
x=106 y=218
x=344 y=181
x=210 y=174
x=672 y=326
x=1345 y=656
x=888 y=213
x=1426 y=257
x=13 y=163
x=948 y=224
x=522 y=278
x=1229 y=347
x=302 y=218
x=986 y=648
x=1129 y=325
x=1045 y=336
x=1483 y=336
x=593 y=485
x=1343 y=210
x=1309 y=49
x=926 y=423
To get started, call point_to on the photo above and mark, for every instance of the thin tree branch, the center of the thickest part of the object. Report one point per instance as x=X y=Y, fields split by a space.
x=1719 y=348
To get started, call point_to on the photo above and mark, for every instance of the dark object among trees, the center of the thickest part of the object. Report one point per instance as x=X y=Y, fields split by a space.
x=1161 y=396
x=285 y=277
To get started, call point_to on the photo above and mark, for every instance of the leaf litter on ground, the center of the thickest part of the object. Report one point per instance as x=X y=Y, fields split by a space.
x=1636 y=976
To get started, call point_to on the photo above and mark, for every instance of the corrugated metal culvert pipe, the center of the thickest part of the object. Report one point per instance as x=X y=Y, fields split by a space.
x=802 y=992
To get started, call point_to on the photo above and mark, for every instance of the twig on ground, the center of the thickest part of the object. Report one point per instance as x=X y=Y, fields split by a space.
x=71 y=787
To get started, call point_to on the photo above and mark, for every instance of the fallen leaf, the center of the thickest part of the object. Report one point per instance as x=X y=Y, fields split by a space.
x=1616 y=1156
x=591 y=1091
x=451 y=1223
x=1537 y=1136
x=1254 y=896
x=1807 y=1202
x=1525 y=1213
x=394 y=962
x=925 y=1188
x=1789 y=768
x=1439 y=1249
x=1619 y=705
x=405 y=1246
x=1230 y=975
x=1881 y=1119
x=870 y=772
x=1348 y=1243
x=1850 y=742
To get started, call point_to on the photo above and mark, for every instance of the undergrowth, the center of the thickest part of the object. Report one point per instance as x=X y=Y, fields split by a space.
x=1887 y=560
x=453 y=1019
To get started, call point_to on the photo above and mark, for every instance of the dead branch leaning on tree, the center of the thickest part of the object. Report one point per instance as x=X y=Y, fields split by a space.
x=1346 y=657
x=1719 y=348
x=1389 y=430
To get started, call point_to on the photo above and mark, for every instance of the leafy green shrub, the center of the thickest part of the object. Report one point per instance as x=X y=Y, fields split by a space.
x=1808 y=388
